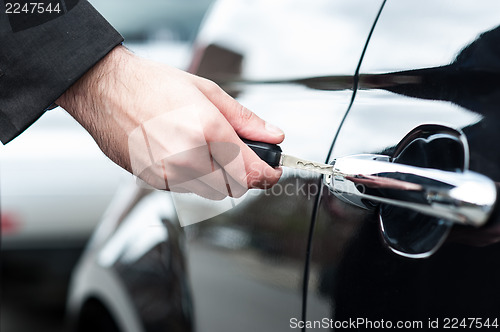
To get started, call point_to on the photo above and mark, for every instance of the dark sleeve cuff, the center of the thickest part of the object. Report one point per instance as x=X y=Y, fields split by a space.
x=38 y=64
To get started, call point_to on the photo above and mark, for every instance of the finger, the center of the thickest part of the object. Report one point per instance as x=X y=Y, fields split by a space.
x=229 y=163
x=252 y=172
x=246 y=123
x=262 y=176
x=258 y=174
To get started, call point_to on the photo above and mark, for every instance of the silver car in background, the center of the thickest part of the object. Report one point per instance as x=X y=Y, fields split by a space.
x=55 y=183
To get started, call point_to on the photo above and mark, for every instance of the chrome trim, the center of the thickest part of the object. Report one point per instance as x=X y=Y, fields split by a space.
x=466 y=198
x=423 y=254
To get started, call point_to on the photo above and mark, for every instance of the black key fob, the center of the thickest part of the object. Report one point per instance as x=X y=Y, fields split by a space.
x=270 y=153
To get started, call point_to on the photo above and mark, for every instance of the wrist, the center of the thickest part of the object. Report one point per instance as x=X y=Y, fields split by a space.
x=89 y=97
x=94 y=101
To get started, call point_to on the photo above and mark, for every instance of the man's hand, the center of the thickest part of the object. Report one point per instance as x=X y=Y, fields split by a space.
x=174 y=130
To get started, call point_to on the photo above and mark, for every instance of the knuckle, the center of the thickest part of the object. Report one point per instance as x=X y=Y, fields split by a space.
x=245 y=115
x=210 y=87
x=213 y=130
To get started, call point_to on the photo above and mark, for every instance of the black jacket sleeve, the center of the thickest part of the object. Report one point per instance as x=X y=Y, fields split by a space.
x=41 y=56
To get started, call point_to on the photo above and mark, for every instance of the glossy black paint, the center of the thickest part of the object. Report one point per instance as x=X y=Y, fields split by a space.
x=471 y=82
x=364 y=279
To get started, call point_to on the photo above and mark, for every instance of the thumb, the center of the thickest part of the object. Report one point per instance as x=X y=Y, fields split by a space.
x=246 y=123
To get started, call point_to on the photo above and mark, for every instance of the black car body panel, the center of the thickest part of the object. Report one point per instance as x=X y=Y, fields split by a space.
x=270 y=263
x=427 y=63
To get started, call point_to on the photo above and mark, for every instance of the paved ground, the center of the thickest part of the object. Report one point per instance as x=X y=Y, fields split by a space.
x=34 y=288
x=240 y=291
x=19 y=319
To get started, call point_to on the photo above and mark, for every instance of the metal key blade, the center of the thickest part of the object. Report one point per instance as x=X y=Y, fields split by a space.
x=273 y=156
x=294 y=162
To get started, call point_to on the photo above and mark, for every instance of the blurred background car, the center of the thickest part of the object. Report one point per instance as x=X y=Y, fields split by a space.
x=414 y=81
x=55 y=183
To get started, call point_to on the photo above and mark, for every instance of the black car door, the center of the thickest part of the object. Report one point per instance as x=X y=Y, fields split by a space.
x=246 y=265
x=431 y=69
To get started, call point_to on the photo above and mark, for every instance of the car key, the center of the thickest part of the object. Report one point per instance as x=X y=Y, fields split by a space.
x=273 y=156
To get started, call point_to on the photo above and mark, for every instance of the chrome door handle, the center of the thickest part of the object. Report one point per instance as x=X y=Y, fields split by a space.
x=466 y=198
